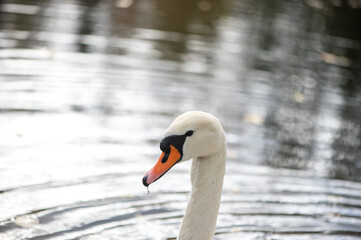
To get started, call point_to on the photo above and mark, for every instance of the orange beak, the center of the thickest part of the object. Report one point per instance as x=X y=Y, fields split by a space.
x=165 y=162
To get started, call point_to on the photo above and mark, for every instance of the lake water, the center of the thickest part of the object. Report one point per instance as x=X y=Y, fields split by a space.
x=88 y=88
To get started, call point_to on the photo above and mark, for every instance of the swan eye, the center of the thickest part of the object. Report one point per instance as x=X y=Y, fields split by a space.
x=189 y=133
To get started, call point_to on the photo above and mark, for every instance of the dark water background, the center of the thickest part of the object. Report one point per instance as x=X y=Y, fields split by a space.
x=87 y=89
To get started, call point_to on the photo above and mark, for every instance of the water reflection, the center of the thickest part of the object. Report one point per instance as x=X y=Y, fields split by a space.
x=87 y=89
x=347 y=143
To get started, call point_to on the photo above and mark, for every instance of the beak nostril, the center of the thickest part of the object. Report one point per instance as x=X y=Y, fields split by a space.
x=165 y=157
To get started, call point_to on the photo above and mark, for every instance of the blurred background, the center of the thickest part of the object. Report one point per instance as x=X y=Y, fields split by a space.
x=88 y=88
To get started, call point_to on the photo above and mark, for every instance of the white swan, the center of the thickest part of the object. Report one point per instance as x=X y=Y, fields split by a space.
x=198 y=136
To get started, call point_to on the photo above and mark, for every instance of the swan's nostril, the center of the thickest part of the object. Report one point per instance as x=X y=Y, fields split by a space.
x=145 y=180
x=165 y=157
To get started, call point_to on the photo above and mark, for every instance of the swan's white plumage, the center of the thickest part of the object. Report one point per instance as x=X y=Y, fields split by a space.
x=207 y=147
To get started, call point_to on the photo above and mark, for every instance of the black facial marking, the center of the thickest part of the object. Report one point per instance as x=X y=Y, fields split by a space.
x=176 y=141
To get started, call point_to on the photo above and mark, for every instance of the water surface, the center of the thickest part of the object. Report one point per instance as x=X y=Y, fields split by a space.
x=88 y=88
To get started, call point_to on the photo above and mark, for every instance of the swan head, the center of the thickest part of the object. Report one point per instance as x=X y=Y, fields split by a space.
x=191 y=135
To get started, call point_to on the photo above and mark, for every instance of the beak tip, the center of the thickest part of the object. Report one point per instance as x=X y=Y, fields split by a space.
x=145 y=180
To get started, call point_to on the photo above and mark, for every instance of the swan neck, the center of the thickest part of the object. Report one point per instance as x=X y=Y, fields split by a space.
x=200 y=218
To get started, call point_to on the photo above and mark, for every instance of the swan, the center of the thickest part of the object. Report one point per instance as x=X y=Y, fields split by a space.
x=199 y=136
